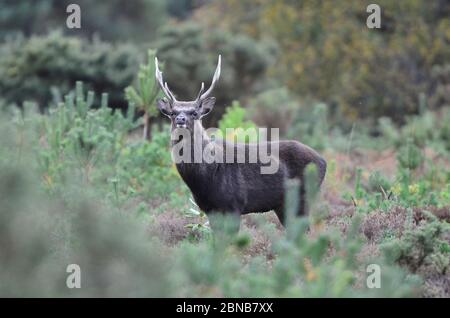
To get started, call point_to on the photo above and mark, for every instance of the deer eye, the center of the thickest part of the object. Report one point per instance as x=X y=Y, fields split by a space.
x=194 y=114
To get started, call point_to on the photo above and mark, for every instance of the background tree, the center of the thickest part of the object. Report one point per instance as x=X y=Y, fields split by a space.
x=146 y=93
x=44 y=68
x=190 y=53
x=327 y=52
x=113 y=20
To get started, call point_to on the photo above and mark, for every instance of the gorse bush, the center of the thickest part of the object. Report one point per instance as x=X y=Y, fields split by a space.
x=423 y=246
x=429 y=129
x=44 y=68
x=365 y=73
x=43 y=236
x=423 y=249
x=273 y=108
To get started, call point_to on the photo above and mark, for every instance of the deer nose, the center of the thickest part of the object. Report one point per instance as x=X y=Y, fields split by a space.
x=180 y=120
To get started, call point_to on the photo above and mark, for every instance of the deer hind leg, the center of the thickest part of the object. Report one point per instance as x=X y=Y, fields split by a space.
x=302 y=209
x=302 y=204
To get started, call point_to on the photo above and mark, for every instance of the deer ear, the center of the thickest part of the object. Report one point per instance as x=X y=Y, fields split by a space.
x=164 y=106
x=207 y=105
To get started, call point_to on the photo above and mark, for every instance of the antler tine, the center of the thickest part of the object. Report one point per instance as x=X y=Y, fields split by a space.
x=202 y=88
x=169 y=92
x=214 y=80
x=158 y=75
x=162 y=84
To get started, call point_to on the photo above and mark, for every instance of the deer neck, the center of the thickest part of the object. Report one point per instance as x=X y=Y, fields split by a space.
x=192 y=172
x=199 y=134
x=192 y=141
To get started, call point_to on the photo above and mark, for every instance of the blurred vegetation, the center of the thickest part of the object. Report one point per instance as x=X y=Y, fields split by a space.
x=112 y=20
x=44 y=68
x=74 y=178
x=77 y=185
x=79 y=156
x=327 y=52
x=321 y=51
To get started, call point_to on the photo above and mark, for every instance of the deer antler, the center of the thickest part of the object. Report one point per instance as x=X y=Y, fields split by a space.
x=161 y=82
x=200 y=92
x=216 y=76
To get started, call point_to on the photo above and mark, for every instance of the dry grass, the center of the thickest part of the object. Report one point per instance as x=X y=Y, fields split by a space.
x=170 y=227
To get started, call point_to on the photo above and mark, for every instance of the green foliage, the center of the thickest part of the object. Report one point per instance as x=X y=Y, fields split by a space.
x=302 y=267
x=410 y=156
x=147 y=92
x=200 y=229
x=44 y=68
x=378 y=182
x=419 y=182
x=76 y=223
x=327 y=52
x=310 y=126
x=80 y=179
x=424 y=246
x=274 y=108
x=235 y=118
x=44 y=235
x=78 y=137
x=145 y=95
x=445 y=129
x=405 y=192
x=440 y=75
x=77 y=187
x=147 y=169
x=428 y=129
x=113 y=20
x=91 y=143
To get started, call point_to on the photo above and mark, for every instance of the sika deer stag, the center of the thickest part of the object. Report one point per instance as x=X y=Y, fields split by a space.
x=234 y=186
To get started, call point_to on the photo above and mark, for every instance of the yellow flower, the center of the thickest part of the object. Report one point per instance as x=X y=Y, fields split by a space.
x=48 y=180
x=360 y=202
x=413 y=188
x=396 y=189
x=319 y=226
x=366 y=175
x=311 y=274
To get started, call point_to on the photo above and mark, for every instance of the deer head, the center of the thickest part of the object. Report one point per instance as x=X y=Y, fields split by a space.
x=183 y=114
